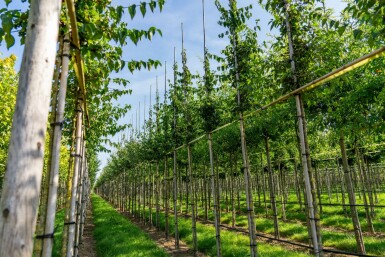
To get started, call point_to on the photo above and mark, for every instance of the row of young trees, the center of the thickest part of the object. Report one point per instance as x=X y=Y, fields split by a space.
x=73 y=93
x=348 y=110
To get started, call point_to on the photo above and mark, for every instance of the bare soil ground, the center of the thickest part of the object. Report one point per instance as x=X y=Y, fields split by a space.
x=87 y=247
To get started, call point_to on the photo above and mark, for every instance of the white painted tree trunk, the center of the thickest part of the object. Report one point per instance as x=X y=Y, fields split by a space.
x=20 y=195
x=54 y=169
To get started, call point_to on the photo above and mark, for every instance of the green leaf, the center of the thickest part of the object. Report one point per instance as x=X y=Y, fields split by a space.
x=357 y=33
x=152 y=5
x=341 y=30
x=161 y=3
x=7 y=23
x=119 y=12
x=132 y=10
x=7 y=2
x=143 y=8
x=10 y=40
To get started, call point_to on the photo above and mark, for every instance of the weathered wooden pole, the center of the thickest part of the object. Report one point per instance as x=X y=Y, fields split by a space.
x=21 y=188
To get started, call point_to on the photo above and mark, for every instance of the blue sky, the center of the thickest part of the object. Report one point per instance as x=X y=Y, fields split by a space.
x=169 y=21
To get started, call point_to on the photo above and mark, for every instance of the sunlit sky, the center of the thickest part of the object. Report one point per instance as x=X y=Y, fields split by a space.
x=169 y=21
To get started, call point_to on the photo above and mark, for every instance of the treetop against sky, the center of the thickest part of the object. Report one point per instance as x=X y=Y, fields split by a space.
x=169 y=22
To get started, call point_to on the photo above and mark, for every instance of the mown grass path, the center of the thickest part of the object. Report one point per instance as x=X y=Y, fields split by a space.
x=115 y=236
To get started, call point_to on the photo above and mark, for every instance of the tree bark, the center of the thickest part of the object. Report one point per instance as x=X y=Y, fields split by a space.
x=352 y=197
x=75 y=178
x=38 y=244
x=21 y=187
x=271 y=187
x=55 y=163
x=214 y=191
x=193 y=218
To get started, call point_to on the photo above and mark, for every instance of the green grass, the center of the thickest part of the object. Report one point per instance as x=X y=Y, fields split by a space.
x=57 y=242
x=233 y=244
x=332 y=218
x=115 y=236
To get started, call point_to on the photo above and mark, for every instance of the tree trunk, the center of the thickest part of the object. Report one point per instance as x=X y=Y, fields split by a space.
x=213 y=190
x=271 y=187
x=166 y=208
x=79 y=200
x=77 y=166
x=175 y=198
x=193 y=219
x=352 y=198
x=305 y=152
x=69 y=191
x=318 y=186
x=22 y=181
x=342 y=183
x=38 y=244
x=364 y=197
x=55 y=163
x=157 y=190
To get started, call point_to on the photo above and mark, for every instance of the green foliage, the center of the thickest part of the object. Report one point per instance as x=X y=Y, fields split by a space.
x=8 y=89
x=370 y=13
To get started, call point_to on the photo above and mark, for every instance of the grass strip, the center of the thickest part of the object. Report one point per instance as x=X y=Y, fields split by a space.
x=233 y=244
x=57 y=242
x=332 y=217
x=116 y=236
